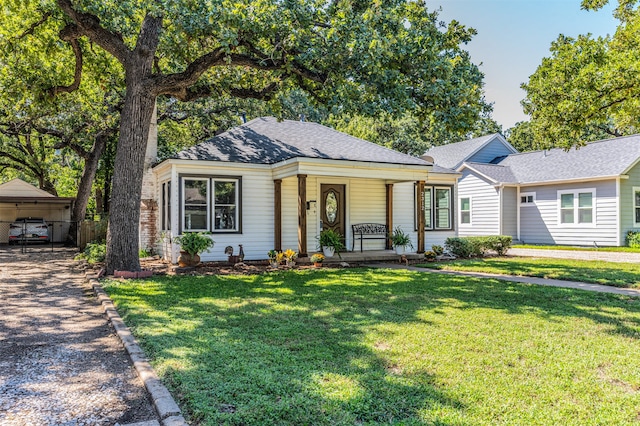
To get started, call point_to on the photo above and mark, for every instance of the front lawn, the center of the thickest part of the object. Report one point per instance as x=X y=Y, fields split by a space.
x=588 y=271
x=373 y=347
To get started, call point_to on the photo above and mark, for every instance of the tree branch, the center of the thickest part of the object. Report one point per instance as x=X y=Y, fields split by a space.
x=89 y=25
x=32 y=27
x=77 y=74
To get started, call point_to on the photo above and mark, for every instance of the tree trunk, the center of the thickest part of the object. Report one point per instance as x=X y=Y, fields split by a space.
x=86 y=182
x=124 y=211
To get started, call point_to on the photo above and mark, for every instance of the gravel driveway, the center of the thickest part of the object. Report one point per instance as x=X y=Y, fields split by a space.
x=60 y=361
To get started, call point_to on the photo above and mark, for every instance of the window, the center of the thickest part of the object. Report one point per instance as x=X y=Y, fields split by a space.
x=636 y=205
x=465 y=210
x=210 y=204
x=576 y=207
x=166 y=206
x=437 y=207
x=527 y=198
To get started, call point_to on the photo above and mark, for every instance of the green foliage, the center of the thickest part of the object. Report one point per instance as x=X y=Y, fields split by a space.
x=588 y=88
x=430 y=255
x=437 y=249
x=633 y=239
x=317 y=258
x=400 y=239
x=94 y=252
x=478 y=246
x=380 y=347
x=142 y=253
x=194 y=242
x=330 y=238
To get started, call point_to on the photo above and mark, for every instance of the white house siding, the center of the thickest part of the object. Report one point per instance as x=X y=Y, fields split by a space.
x=404 y=210
x=627 y=215
x=493 y=149
x=540 y=224
x=256 y=210
x=367 y=204
x=509 y=217
x=485 y=205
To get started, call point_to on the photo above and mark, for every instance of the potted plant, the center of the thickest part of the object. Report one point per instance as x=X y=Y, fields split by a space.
x=191 y=245
x=273 y=258
x=330 y=242
x=317 y=259
x=290 y=257
x=400 y=240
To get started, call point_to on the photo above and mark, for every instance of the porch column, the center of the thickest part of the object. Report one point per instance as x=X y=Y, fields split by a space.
x=420 y=210
x=302 y=215
x=389 y=223
x=277 y=214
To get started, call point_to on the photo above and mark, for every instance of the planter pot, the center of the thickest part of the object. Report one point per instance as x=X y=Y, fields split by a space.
x=274 y=264
x=291 y=263
x=186 y=259
x=328 y=251
x=400 y=250
x=317 y=264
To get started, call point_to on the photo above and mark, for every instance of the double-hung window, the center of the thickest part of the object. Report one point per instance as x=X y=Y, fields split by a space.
x=437 y=207
x=577 y=207
x=210 y=204
x=465 y=210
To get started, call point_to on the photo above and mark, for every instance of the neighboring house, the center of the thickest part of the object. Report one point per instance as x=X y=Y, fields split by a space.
x=584 y=196
x=21 y=199
x=271 y=184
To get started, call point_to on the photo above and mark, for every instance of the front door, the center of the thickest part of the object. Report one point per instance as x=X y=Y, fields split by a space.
x=332 y=208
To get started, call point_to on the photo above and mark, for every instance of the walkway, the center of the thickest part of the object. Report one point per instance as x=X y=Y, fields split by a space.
x=515 y=278
x=60 y=361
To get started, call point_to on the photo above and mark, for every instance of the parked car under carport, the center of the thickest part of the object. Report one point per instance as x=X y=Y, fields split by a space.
x=28 y=229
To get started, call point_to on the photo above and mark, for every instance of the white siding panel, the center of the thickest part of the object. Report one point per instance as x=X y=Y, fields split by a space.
x=404 y=210
x=485 y=205
x=367 y=204
x=509 y=212
x=539 y=224
x=289 y=214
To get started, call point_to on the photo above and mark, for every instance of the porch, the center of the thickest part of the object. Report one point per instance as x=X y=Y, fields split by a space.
x=366 y=256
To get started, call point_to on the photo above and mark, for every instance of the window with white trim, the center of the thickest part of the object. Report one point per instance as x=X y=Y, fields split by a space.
x=465 y=211
x=210 y=204
x=438 y=208
x=576 y=207
x=166 y=206
x=636 y=205
x=527 y=198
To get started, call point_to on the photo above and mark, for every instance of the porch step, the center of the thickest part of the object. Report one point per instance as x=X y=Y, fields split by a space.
x=366 y=256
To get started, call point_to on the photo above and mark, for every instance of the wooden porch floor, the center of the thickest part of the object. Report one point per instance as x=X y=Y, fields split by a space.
x=366 y=256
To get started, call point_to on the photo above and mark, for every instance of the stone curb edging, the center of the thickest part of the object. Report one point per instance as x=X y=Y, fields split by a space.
x=166 y=407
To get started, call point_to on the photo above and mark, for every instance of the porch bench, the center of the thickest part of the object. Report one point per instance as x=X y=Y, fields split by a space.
x=368 y=231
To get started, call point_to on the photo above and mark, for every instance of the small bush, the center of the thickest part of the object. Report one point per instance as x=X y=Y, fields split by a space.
x=94 y=252
x=633 y=239
x=438 y=250
x=478 y=246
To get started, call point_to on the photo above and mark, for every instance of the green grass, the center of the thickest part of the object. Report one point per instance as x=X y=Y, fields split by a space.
x=589 y=271
x=579 y=248
x=373 y=347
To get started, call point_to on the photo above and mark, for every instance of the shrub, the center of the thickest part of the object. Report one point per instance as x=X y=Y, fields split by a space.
x=478 y=246
x=633 y=239
x=194 y=242
x=94 y=252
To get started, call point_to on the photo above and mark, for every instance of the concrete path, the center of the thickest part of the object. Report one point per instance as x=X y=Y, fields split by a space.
x=515 y=278
x=60 y=360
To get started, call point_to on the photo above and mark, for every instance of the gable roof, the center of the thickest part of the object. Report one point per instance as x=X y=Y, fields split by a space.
x=266 y=140
x=452 y=155
x=602 y=159
x=606 y=158
x=19 y=188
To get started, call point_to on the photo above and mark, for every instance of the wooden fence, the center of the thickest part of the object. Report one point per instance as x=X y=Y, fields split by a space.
x=91 y=231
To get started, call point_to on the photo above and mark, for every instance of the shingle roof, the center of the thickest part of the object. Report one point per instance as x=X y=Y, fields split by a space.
x=453 y=155
x=268 y=141
x=611 y=157
x=495 y=172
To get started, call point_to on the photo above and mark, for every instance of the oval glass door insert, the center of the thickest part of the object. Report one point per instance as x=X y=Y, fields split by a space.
x=331 y=207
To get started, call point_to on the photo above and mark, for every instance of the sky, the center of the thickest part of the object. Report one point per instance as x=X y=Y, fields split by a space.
x=513 y=37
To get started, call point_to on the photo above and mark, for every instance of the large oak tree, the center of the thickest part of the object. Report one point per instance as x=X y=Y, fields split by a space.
x=351 y=55
x=588 y=89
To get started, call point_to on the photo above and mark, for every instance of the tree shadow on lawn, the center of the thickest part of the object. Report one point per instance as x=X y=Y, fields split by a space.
x=290 y=348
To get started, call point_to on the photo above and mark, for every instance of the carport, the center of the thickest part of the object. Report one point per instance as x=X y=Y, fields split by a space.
x=21 y=199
